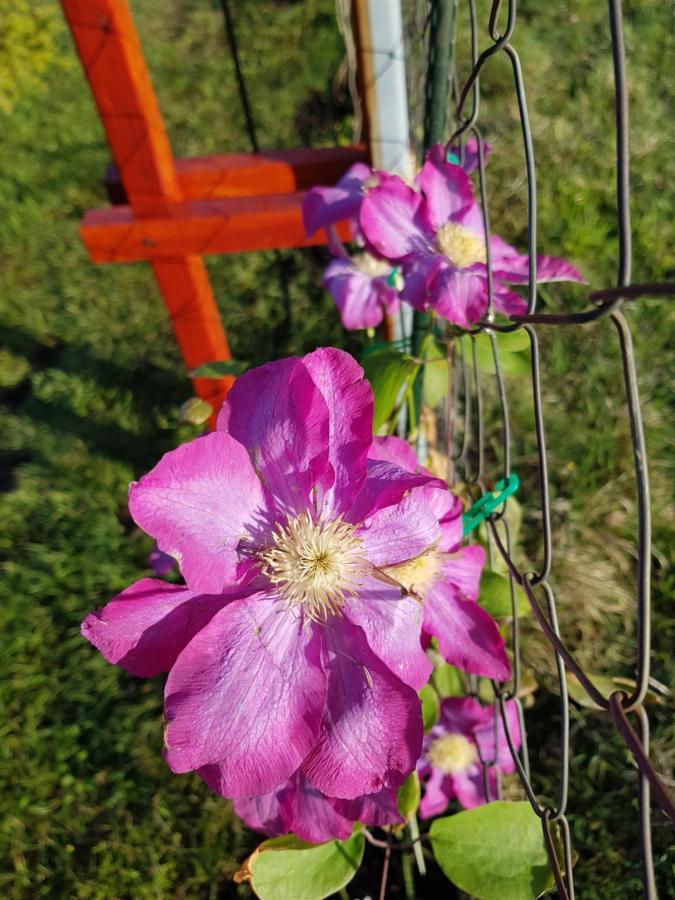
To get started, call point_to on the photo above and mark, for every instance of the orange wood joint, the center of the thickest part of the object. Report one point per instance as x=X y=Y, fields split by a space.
x=112 y=57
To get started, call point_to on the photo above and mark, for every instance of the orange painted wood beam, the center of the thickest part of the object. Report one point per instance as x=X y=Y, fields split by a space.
x=255 y=174
x=112 y=58
x=199 y=227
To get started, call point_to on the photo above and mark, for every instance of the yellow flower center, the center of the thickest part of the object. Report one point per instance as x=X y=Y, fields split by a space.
x=315 y=566
x=462 y=247
x=452 y=753
x=370 y=265
x=418 y=574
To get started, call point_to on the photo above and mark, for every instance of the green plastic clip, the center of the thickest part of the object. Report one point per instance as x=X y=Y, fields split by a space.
x=489 y=502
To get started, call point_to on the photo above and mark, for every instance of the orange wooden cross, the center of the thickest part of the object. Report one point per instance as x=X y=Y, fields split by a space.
x=179 y=210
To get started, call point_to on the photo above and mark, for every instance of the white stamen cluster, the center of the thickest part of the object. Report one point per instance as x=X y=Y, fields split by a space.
x=370 y=265
x=315 y=566
x=418 y=574
x=461 y=246
x=452 y=753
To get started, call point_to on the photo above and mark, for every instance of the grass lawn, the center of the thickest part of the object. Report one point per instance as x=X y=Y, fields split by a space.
x=90 y=381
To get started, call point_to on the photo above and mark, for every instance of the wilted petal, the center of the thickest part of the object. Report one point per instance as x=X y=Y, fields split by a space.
x=278 y=413
x=397 y=534
x=446 y=187
x=146 y=626
x=467 y=636
x=392 y=623
x=371 y=733
x=199 y=502
x=244 y=699
x=324 y=206
x=393 y=219
x=349 y=398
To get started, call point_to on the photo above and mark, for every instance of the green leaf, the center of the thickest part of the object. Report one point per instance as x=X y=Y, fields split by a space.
x=409 y=796
x=448 y=681
x=494 y=852
x=219 y=369
x=430 y=707
x=195 y=411
x=287 y=868
x=495 y=595
x=510 y=363
x=435 y=372
x=607 y=685
x=388 y=372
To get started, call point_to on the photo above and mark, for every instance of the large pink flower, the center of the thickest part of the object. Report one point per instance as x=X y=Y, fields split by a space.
x=446 y=579
x=298 y=807
x=451 y=759
x=287 y=648
x=436 y=233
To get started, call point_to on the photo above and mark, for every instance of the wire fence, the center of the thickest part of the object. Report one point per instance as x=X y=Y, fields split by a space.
x=625 y=709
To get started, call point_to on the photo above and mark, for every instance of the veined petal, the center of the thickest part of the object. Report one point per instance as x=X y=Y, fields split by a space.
x=317 y=817
x=394 y=450
x=371 y=809
x=385 y=485
x=467 y=636
x=324 y=206
x=397 y=534
x=270 y=813
x=509 y=265
x=506 y=301
x=280 y=416
x=244 y=699
x=198 y=503
x=446 y=187
x=145 y=627
x=393 y=219
x=464 y=570
x=419 y=273
x=460 y=295
x=392 y=624
x=371 y=733
x=349 y=399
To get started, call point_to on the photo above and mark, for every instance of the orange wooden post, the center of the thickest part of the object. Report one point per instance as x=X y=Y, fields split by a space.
x=112 y=57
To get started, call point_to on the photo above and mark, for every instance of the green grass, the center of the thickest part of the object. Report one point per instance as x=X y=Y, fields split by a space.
x=90 y=381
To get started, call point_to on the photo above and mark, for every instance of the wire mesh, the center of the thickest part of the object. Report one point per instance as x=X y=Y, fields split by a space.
x=469 y=458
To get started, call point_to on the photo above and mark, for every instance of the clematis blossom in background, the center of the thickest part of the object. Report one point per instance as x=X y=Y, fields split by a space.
x=299 y=808
x=436 y=233
x=287 y=648
x=446 y=579
x=450 y=765
x=364 y=289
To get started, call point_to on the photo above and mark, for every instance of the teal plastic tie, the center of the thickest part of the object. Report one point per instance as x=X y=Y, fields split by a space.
x=489 y=502
x=392 y=276
x=453 y=158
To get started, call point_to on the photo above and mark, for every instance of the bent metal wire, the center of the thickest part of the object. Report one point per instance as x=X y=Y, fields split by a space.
x=470 y=458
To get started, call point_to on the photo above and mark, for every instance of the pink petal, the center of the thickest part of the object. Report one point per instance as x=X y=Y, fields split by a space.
x=470 y=163
x=485 y=737
x=394 y=450
x=437 y=794
x=371 y=733
x=146 y=626
x=446 y=187
x=371 y=809
x=356 y=295
x=464 y=569
x=469 y=787
x=198 y=503
x=448 y=509
x=324 y=206
x=508 y=302
x=392 y=623
x=318 y=818
x=245 y=697
x=397 y=534
x=419 y=273
x=460 y=295
x=278 y=413
x=512 y=266
x=270 y=813
x=462 y=715
x=385 y=485
x=467 y=636
x=393 y=219
x=349 y=399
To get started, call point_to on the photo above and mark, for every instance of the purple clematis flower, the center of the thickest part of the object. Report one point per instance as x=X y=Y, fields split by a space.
x=470 y=163
x=446 y=579
x=160 y=563
x=298 y=807
x=436 y=234
x=287 y=648
x=451 y=759
x=326 y=206
x=364 y=289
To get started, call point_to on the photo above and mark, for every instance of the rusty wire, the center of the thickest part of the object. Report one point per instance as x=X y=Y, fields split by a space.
x=470 y=457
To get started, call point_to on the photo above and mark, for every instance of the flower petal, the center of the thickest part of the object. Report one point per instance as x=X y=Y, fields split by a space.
x=397 y=534
x=469 y=787
x=244 y=699
x=145 y=627
x=467 y=636
x=371 y=733
x=394 y=450
x=464 y=569
x=419 y=273
x=485 y=737
x=512 y=266
x=385 y=485
x=317 y=817
x=446 y=187
x=393 y=219
x=508 y=302
x=470 y=163
x=356 y=295
x=392 y=624
x=270 y=813
x=371 y=809
x=198 y=503
x=437 y=793
x=278 y=413
x=460 y=295
x=324 y=206
x=349 y=398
